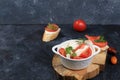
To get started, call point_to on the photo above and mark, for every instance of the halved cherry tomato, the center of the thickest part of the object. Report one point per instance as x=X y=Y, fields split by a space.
x=76 y=57
x=92 y=38
x=86 y=53
x=100 y=44
x=112 y=50
x=62 y=51
x=81 y=46
x=50 y=30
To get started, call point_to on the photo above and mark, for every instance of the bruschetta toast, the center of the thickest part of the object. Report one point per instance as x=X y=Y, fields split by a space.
x=99 y=41
x=51 y=32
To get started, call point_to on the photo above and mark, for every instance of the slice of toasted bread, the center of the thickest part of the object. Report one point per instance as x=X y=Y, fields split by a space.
x=104 y=48
x=48 y=36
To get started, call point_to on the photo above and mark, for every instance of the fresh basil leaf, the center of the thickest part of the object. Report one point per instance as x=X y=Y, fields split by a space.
x=101 y=39
x=74 y=54
x=69 y=49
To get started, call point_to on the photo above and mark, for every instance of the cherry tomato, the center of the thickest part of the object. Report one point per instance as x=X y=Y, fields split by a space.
x=92 y=38
x=79 y=25
x=76 y=57
x=100 y=44
x=114 y=60
x=112 y=50
x=62 y=51
x=80 y=46
x=86 y=53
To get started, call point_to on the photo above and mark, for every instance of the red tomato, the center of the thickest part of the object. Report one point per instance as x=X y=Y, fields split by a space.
x=62 y=51
x=100 y=44
x=92 y=38
x=79 y=25
x=114 y=60
x=112 y=50
x=77 y=57
x=80 y=46
x=52 y=27
x=86 y=53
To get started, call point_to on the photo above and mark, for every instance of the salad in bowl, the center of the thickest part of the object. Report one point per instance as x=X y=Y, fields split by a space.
x=76 y=50
x=76 y=53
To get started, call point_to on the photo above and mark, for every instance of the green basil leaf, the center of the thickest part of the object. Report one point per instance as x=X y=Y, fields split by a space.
x=69 y=49
x=74 y=54
x=102 y=39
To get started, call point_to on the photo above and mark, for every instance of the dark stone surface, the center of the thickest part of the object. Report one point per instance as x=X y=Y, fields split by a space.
x=23 y=55
x=61 y=12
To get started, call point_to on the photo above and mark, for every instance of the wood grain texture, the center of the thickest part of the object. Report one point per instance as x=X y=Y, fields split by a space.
x=100 y=59
x=91 y=71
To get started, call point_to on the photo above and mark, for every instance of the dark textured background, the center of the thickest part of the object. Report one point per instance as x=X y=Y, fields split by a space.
x=59 y=11
x=23 y=56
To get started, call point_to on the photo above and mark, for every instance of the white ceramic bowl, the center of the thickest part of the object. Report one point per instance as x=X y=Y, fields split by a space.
x=75 y=64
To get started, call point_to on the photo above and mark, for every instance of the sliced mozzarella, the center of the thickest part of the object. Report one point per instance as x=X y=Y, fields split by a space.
x=68 y=56
x=74 y=44
x=89 y=42
x=48 y=36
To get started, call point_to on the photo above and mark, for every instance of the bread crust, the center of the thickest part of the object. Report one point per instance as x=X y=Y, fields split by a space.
x=48 y=36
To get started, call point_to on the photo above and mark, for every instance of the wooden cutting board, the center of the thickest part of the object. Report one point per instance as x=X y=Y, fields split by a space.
x=97 y=65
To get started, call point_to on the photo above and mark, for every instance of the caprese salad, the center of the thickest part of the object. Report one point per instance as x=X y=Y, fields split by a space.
x=76 y=49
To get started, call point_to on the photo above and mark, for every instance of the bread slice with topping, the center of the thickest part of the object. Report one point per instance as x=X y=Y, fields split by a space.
x=99 y=41
x=51 y=32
